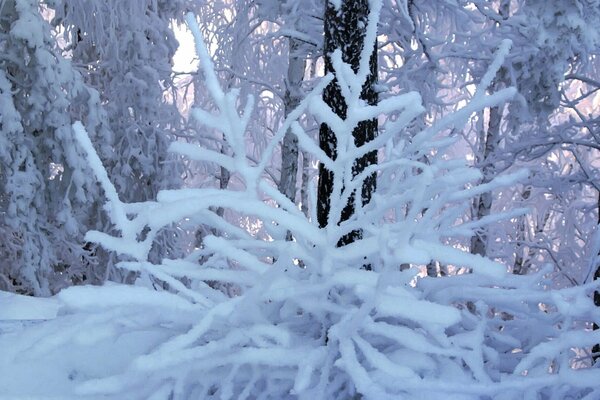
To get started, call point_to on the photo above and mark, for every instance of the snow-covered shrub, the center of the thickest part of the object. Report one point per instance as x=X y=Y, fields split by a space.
x=252 y=318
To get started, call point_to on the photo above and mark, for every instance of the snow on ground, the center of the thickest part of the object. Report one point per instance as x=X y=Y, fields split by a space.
x=17 y=307
x=50 y=346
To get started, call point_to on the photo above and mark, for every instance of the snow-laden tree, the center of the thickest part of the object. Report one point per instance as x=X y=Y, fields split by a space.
x=273 y=318
x=124 y=49
x=48 y=197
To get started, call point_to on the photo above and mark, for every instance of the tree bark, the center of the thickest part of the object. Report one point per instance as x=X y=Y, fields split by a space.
x=483 y=204
x=345 y=29
x=293 y=96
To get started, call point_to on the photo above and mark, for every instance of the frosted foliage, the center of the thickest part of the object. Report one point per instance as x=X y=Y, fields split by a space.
x=552 y=35
x=48 y=198
x=249 y=318
x=126 y=48
x=269 y=9
x=440 y=48
x=295 y=18
x=249 y=44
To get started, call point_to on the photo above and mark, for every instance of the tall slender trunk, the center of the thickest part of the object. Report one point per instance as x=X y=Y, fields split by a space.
x=306 y=158
x=293 y=96
x=596 y=348
x=483 y=204
x=345 y=29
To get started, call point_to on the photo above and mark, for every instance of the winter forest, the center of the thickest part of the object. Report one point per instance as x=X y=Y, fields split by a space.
x=300 y=199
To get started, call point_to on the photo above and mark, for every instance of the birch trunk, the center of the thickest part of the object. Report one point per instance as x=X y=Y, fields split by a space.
x=293 y=96
x=483 y=204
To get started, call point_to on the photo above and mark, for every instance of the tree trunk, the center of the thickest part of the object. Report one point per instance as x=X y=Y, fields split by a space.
x=345 y=29
x=293 y=96
x=483 y=204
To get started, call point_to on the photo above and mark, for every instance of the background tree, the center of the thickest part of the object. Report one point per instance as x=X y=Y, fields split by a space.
x=48 y=198
x=125 y=50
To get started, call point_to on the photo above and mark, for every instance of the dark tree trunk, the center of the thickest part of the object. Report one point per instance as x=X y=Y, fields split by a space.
x=345 y=29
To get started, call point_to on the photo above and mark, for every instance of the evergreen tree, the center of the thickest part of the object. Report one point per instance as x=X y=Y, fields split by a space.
x=125 y=50
x=48 y=198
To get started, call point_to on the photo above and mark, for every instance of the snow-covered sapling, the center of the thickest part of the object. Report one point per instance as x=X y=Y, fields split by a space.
x=324 y=328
